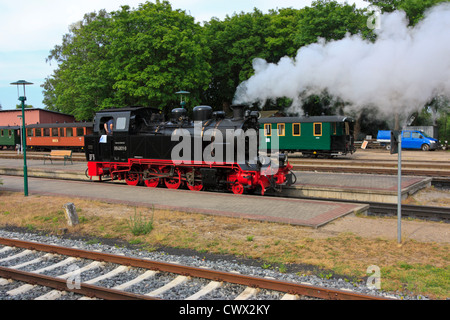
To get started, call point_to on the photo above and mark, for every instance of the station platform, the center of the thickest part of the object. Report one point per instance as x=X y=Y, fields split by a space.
x=308 y=213
x=355 y=187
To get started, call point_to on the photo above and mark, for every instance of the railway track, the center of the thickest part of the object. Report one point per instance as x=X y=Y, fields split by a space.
x=35 y=264
x=427 y=169
x=439 y=214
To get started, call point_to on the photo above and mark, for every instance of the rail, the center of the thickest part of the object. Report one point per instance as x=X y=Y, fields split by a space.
x=217 y=276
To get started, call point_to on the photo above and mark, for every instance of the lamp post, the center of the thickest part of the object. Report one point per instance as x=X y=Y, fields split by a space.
x=183 y=100
x=23 y=134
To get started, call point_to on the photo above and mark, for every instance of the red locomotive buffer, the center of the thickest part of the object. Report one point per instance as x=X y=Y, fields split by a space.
x=208 y=152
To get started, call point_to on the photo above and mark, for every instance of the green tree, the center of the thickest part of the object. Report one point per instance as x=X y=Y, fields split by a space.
x=156 y=51
x=414 y=9
x=81 y=82
x=234 y=43
x=128 y=57
x=238 y=40
x=330 y=20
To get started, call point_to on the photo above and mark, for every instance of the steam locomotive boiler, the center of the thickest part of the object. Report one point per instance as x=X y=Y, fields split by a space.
x=209 y=151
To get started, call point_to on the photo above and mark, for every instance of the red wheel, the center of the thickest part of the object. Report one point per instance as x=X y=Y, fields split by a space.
x=175 y=181
x=238 y=188
x=195 y=177
x=152 y=183
x=133 y=178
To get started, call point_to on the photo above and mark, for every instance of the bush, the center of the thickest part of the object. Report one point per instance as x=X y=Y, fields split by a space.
x=140 y=225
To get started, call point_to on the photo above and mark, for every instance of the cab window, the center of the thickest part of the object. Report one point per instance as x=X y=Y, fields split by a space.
x=121 y=123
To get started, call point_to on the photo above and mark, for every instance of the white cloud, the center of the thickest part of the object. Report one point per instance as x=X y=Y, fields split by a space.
x=38 y=25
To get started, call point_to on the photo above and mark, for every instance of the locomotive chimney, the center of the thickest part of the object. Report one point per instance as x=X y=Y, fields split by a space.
x=238 y=111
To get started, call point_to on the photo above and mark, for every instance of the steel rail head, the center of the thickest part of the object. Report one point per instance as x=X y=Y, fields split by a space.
x=87 y=290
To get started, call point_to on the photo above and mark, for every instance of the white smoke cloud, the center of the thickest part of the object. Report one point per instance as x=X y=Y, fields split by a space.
x=399 y=73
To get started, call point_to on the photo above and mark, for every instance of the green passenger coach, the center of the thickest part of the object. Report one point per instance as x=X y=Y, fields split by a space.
x=9 y=137
x=312 y=136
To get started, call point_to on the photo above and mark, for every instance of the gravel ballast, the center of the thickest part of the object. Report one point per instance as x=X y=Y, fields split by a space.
x=225 y=264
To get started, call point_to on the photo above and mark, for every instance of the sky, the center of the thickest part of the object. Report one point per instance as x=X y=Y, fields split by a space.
x=30 y=29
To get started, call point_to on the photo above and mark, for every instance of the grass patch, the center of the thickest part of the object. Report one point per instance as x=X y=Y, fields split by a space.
x=139 y=225
x=422 y=268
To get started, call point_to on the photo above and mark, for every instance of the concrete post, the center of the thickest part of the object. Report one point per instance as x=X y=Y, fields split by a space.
x=71 y=214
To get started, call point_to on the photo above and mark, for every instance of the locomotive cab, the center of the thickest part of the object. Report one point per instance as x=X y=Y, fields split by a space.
x=107 y=146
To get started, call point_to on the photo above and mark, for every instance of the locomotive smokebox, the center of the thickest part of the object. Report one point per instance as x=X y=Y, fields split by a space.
x=202 y=113
x=238 y=111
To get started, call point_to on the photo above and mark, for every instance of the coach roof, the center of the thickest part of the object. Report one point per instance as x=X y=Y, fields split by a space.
x=306 y=119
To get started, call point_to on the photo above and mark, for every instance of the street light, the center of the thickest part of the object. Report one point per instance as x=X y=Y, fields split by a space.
x=24 y=139
x=183 y=100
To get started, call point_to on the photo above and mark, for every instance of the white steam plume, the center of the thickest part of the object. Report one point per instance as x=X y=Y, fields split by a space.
x=399 y=73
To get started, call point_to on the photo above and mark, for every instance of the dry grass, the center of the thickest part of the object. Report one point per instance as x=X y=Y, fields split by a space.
x=419 y=267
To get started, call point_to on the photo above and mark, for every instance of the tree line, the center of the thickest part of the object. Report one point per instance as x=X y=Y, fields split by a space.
x=142 y=56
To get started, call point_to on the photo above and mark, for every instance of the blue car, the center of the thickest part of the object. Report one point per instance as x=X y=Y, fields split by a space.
x=411 y=139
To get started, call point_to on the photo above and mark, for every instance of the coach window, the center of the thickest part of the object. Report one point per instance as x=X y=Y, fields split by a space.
x=317 y=129
x=54 y=132
x=46 y=132
x=1 y=132
x=69 y=132
x=268 y=130
x=61 y=132
x=29 y=132
x=38 y=132
x=296 y=130
x=281 y=129
x=80 y=132
x=10 y=133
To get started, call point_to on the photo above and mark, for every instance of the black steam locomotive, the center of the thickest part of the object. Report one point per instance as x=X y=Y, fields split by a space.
x=209 y=151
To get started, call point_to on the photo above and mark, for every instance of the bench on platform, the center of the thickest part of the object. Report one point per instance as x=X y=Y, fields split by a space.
x=59 y=155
